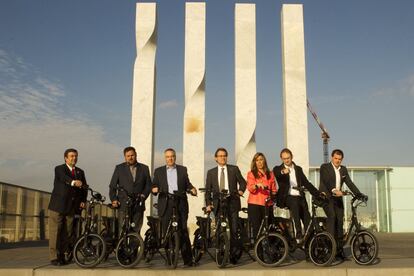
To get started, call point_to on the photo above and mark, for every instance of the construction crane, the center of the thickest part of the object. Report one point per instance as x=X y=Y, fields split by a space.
x=325 y=135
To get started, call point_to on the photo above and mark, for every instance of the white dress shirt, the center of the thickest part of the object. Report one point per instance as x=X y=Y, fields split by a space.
x=292 y=181
x=337 y=178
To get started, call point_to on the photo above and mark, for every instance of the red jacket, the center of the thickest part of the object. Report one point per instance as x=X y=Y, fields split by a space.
x=258 y=196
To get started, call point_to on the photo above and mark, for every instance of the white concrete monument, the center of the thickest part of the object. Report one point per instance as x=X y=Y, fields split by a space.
x=245 y=84
x=294 y=84
x=194 y=110
x=143 y=95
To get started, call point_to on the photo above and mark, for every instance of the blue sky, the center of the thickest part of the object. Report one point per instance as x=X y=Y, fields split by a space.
x=66 y=81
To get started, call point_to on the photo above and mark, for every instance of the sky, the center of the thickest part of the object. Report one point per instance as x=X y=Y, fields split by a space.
x=66 y=72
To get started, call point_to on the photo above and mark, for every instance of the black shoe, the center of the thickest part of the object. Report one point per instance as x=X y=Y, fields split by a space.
x=55 y=262
x=233 y=261
x=189 y=264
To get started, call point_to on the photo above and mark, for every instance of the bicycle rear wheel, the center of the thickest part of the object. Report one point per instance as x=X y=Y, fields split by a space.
x=222 y=249
x=364 y=248
x=89 y=250
x=271 y=249
x=173 y=250
x=322 y=249
x=129 y=250
x=198 y=246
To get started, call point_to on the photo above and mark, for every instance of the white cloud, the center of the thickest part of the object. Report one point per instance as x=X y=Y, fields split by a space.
x=168 y=104
x=401 y=88
x=36 y=129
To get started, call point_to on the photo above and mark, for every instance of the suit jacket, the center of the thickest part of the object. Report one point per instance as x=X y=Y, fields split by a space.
x=328 y=180
x=66 y=199
x=284 y=184
x=234 y=177
x=161 y=182
x=122 y=176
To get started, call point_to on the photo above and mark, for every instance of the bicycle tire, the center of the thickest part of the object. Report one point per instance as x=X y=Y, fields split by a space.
x=271 y=250
x=322 y=249
x=222 y=249
x=198 y=245
x=129 y=250
x=91 y=254
x=363 y=252
x=173 y=250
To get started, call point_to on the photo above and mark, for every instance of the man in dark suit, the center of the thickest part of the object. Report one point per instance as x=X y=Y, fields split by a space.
x=290 y=176
x=133 y=177
x=168 y=179
x=226 y=177
x=68 y=198
x=332 y=178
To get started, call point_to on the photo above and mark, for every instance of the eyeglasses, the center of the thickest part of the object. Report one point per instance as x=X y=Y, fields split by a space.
x=221 y=156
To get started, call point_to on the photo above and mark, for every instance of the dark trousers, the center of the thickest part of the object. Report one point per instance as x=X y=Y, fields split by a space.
x=256 y=216
x=298 y=208
x=233 y=219
x=335 y=220
x=61 y=234
x=182 y=229
x=137 y=218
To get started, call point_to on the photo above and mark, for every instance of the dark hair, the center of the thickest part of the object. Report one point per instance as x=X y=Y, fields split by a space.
x=286 y=150
x=170 y=149
x=220 y=149
x=129 y=149
x=69 y=150
x=254 y=168
x=338 y=152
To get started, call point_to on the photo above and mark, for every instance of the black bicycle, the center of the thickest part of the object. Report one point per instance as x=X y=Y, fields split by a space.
x=154 y=239
x=364 y=245
x=202 y=236
x=90 y=248
x=270 y=247
x=110 y=231
x=130 y=247
x=221 y=239
x=318 y=244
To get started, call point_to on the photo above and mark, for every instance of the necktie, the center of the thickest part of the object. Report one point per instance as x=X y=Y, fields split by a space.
x=73 y=172
x=222 y=180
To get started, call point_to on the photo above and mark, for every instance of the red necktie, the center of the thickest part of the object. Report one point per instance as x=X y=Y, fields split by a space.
x=73 y=172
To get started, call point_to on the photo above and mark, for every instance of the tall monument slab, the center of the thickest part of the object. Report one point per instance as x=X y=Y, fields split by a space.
x=194 y=110
x=294 y=84
x=143 y=95
x=245 y=84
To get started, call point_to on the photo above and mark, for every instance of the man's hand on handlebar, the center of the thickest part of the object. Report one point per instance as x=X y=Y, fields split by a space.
x=154 y=190
x=337 y=193
x=209 y=208
x=115 y=203
x=193 y=192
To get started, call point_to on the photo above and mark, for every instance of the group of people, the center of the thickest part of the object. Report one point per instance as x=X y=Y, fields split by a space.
x=280 y=184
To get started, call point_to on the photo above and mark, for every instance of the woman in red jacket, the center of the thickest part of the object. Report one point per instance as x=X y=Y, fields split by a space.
x=260 y=183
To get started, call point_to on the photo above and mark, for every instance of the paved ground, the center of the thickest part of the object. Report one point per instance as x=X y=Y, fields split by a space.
x=396 y=251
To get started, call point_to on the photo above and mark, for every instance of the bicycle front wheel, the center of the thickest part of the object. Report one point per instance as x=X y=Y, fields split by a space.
x=271 y=249
x=322 y=249
x=173 y=250
x=129 y=250
x=222 y=249
x=364 y=248
x=89 y=250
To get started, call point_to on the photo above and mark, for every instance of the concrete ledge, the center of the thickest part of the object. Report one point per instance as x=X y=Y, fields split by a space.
x=219 y=272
